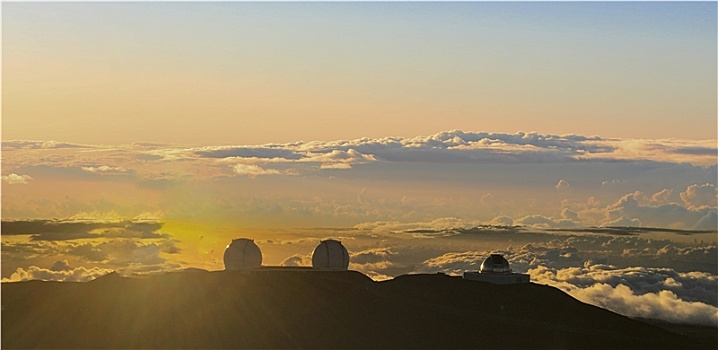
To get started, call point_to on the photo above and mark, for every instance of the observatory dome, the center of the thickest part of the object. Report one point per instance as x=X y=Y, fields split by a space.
x=330 y=255
x=242 y=254
x=495 y=263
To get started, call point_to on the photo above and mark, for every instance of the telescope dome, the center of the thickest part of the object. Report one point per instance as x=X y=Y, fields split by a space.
x=330 y=255
x=242 y=254
x=495 y=263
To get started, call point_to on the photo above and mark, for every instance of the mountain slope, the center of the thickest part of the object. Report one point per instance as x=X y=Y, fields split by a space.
x=309 y=309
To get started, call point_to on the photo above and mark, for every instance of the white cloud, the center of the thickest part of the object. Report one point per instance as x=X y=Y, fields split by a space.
x=371 y=256
x=253 y=171
x=624 y=222
x=639 y=292
x=335 y=166
x=698 y=196
x=664 y=305
x=15 y=179
x=502 y=220
x=350 y=156
x=635 y=207
x=455 y=262
x=105 y=170
x=612 y=182
x=60 y=271
x=540 y=221
x=297 y=260
x=661 y=197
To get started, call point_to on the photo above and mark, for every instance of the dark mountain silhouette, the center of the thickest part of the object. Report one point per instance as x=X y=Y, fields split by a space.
x=310 y=309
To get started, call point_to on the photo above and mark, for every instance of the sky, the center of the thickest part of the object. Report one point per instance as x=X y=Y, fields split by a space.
x=218 y=73
x=577 y=139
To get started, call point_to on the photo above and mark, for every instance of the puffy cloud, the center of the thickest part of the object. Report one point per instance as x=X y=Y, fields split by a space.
x=661 y=197
x=692 y=286
x=639 y=292
x=376 y=261
x=297 y=260
x=624 y=221
x=540 y=221
x=502 y=220
x=350 y=156
x=634 y=209
x=371 y=256
x=664 y=305
x=60 y=271
x=14 y=179
x=253 y=171
x=455 y=262
x=698 y=196
x=335 y=166
x=105 y=170
x=612 y=182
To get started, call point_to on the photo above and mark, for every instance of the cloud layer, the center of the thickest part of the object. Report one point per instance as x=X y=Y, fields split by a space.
x=99 y=245
x=479 y=176
x=60 y=271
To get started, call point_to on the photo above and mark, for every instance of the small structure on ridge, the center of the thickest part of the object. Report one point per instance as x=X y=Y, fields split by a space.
x=330 y=255
x=495 y=269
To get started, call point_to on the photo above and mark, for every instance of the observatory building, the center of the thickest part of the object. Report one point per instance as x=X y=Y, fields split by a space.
x=495 y=269
x=330 y=255
x=242 y=254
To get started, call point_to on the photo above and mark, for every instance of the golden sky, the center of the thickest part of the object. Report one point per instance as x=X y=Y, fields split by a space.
x=254 y=73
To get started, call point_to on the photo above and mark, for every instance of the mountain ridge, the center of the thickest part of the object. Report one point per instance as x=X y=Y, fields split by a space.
x=311 y=309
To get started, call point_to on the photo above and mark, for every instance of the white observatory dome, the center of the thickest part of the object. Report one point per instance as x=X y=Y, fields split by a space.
x=330 y=255
x=242 y=254
x=495 y=263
